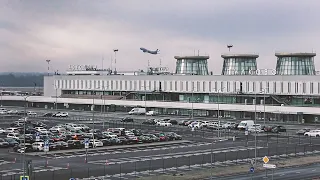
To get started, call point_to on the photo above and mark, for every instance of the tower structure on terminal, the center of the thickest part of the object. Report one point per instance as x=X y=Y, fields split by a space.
x=192 y=65
x=239 y=64
x=295 y=64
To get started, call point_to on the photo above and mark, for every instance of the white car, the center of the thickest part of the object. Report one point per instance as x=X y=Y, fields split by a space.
x=3 y=112
x=151 y=113
x=109 y=134
x=12 y=112
x=255 y=128
x=31 y=113
x=38 y=146
x=11 y=130
x=40 y=129
x=214 y=125
x=205 y=123
x=313 y=133
x=57 y=129
x=2 y=131
x=197 y=125
x=228 y=125
x=24 y=119
x=13 y=136
x=61 y=114
x=96 y=143
x=163 y=123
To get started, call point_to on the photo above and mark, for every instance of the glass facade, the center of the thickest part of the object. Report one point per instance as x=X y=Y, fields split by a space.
x=239 y=64
x=295 y=64
x=196 y=65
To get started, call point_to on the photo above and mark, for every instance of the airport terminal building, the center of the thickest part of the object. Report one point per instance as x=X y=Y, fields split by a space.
x=290 y=92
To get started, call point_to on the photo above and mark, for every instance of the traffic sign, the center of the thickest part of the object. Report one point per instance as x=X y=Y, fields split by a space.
x=192 y=129
x=269 y=166
x=246 y=133
x=37 y=138
x=252 y=169
x=24 y=177
x=37 y=134
x=86 y=143
x=265 y=159
x=46 y=142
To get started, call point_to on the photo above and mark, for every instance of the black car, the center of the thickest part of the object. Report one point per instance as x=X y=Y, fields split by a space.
x=173 y=136
x=127 y=119
x=75 y=144
x=3 y=143
x=153 y=137
x=12 y=142
x=123 y=140
x=150 y=122
x=173 y=122
x=48 y=115
x=61 y=145
x=106 y=141
x=278 y=129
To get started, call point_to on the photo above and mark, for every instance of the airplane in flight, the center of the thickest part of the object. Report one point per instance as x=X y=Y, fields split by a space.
x=148 y=51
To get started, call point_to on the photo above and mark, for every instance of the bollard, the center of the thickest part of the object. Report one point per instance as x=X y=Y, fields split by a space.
x=15 y=160
x=68 y=165
x=234 y=138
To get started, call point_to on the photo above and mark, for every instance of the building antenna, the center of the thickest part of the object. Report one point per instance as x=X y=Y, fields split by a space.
x=229 y=47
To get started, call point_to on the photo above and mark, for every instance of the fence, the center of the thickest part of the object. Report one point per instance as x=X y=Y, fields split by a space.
x=173 y=165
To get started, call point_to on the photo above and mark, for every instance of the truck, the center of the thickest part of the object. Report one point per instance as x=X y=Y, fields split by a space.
x=137 y=111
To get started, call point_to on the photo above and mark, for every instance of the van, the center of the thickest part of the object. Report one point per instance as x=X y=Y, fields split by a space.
x=137 y=111
x=245 y=124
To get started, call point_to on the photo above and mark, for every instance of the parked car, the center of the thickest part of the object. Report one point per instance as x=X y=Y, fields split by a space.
x=163 y=123
x=31 y=113
x=48 y=115
x=3 y=143
x=228 y=125
x=278 y=129
x=173 y=122
x=151 y=113
x=61 y=114
x=127 y=119
x=182 y=122
x=11 y=142
x=150 y=122
x=302 y=131
x=255 y=128
x=313 y=133
x=197 y=125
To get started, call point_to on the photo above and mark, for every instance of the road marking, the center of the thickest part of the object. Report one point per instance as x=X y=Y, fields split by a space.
x=313 y=170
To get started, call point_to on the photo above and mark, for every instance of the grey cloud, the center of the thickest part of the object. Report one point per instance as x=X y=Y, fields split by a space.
x=252 y=25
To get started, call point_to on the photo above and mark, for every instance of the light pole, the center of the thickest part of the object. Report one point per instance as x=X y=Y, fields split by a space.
x=192 y=99
x=48 y=61
x=115 y=60
x=145 y=101
x=255 y=129
x=24 y=135
x=218 y=100
x=56 y=103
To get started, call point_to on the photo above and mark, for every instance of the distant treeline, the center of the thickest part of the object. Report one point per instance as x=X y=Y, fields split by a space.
x=21 y=80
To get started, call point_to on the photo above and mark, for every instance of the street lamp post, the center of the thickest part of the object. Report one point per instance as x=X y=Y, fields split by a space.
x=218 y=100
x=192 y=99
x=255 y=129
x=24 y=136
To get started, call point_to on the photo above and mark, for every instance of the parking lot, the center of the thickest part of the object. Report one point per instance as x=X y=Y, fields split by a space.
x=129 y=161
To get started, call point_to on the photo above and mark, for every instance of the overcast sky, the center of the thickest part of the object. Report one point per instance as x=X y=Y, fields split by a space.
x=70 y=32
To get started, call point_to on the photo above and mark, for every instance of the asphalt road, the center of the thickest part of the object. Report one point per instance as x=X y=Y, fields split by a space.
x=202 y=149
x=295 y=173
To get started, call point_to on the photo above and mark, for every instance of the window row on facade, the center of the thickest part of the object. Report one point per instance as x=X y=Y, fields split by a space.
x=268 y=87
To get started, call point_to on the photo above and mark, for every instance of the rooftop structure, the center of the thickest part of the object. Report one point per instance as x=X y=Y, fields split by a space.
x=194 y=65
x=295 y=64
x=239 y=64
